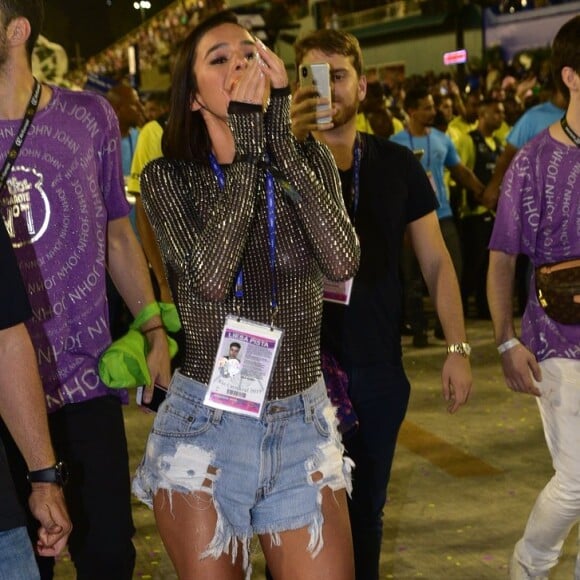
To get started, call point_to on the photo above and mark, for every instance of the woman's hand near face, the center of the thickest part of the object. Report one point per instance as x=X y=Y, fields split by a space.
x=251 y=85
x=272 y=65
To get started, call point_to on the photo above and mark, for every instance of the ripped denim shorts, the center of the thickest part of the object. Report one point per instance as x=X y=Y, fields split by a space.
x=264 y=476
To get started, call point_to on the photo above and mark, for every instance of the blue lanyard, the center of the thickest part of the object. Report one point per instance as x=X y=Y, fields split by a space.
x=428 y=164
x=132 y=142
x=355 y=187
x=271 y=215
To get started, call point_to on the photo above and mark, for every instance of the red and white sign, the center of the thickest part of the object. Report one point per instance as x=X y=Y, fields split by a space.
x=455 y=57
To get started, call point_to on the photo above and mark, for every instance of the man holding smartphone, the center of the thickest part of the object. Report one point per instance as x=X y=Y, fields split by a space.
x=386 y=192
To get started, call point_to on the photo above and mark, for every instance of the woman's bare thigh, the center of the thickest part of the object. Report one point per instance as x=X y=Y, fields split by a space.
x=291 y=560
x=187 y=525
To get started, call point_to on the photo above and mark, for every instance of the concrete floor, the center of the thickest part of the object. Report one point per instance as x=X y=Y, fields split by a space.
x=462 y=485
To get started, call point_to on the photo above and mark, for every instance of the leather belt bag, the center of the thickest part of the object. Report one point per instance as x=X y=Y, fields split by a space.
x=558 y=290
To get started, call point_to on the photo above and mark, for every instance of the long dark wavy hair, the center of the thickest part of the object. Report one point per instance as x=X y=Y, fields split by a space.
x=185 y=136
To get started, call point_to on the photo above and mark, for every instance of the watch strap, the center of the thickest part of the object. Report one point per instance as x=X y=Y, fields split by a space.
x=55 y=474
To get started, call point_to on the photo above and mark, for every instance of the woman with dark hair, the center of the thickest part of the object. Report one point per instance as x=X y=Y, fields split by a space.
x=249 y=222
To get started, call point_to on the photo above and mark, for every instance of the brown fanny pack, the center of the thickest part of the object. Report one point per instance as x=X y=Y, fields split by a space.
x=558 y=290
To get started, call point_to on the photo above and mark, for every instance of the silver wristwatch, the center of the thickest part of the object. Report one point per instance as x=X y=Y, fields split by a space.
x=461 y=348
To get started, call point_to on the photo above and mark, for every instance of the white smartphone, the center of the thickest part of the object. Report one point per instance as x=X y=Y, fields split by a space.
x=317 y=75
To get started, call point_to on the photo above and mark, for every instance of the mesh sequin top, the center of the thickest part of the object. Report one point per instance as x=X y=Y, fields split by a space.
x=205 y=233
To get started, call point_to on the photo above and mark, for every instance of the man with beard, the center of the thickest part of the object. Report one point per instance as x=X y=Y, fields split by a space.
x=438 y=153
x=386 y=192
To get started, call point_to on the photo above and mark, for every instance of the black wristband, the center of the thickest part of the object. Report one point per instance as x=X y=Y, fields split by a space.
x=281 y=92
x=244 y=108
x=57 y=474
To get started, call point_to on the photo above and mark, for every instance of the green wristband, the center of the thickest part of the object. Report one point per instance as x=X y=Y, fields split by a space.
x=145 y=315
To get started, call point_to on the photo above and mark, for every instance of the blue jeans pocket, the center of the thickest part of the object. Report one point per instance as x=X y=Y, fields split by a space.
x=181 y=418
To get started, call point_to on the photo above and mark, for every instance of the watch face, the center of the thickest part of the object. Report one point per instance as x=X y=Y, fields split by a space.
x=462 y=348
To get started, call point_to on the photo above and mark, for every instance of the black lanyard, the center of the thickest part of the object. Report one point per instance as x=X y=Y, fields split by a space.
x=22 y=132
x=572 y=135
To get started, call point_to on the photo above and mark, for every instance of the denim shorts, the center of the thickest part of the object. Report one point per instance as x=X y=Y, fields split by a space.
x=264 y=475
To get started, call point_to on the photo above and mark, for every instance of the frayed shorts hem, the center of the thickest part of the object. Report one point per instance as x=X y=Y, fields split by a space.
x=263 y=476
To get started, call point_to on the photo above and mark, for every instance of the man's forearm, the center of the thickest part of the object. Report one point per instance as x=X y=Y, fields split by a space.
x=439 y=274
x=129 y=271
x=500 y=289
x=22 y=402
x=443 y=287
x=465 y=177
x=128 y=267
x=491 y=191
x=151 y=250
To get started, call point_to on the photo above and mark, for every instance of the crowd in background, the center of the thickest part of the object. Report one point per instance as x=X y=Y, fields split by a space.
x=156 y=39
x=519 y=85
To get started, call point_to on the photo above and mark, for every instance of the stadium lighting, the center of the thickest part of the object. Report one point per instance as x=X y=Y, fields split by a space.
x=142 y=5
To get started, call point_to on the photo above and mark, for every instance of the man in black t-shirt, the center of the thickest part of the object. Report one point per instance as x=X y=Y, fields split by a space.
x=23 y=409
x=387 y=193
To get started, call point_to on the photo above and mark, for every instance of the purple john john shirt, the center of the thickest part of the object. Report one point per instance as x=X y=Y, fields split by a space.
x=538 y=215
x=64 y=188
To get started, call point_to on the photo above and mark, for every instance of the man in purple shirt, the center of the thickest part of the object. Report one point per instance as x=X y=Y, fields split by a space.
x=63 y=203
x=539 y=215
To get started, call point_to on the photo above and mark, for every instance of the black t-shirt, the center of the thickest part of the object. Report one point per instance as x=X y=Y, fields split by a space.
x=14 y=310
x=394 y=191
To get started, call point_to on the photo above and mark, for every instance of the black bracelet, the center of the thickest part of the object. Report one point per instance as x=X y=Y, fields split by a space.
x=56 y=474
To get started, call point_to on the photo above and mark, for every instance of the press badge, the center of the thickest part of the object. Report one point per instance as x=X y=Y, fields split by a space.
x=338 y=292
x=243 y=367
